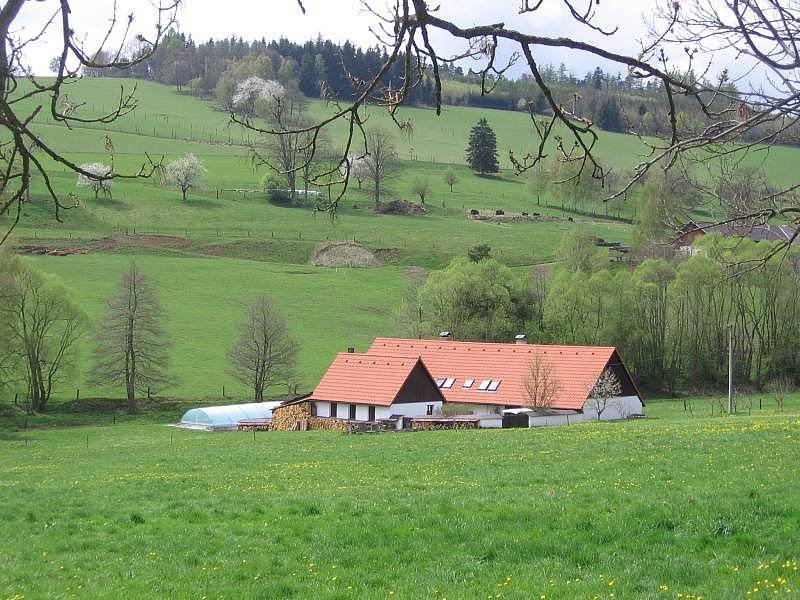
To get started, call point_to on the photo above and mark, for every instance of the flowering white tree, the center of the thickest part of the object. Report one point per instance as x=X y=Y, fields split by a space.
x=185 y=173
x=292 y=149
x=360 y=168
x=606 y=388
x=249 y=91
x=100 y=180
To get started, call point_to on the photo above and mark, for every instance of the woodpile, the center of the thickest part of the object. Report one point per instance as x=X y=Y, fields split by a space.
x=445 y=423
x=317 y=423
x=285 y=418
x=298 y=417
x=254 y=425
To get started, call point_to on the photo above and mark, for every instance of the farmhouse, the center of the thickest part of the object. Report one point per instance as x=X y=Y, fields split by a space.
x=490 y=377
x=769 y=232
x=368 y=388
x=403 y=378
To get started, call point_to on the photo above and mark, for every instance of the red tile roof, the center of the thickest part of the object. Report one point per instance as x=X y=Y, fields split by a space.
x=366 y=378
x=576 y=368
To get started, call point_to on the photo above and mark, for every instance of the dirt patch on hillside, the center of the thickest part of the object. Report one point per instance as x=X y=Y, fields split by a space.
x=387 y=253
x=50 y=250
x=344 y=254
x=155 y=241
x=107 y=244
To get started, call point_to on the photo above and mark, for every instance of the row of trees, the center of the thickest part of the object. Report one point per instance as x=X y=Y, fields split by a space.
x=40 y=325
x=184 y=174
x=318 y=68
x=671 y=319
x=323 y=69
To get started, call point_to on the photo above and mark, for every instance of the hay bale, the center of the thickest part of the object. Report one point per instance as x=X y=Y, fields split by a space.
x=344 y=254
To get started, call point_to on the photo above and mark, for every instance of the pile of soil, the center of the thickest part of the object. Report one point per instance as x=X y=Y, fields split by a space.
x=344 y=254
x=400 y=207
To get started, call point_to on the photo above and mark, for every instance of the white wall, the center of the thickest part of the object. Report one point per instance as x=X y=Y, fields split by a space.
x=413 y=409
x=621 y=407
x=491 y=422
x=560 y=419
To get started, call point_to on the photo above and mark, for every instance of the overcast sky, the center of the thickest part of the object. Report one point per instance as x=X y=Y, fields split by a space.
x=342 y=20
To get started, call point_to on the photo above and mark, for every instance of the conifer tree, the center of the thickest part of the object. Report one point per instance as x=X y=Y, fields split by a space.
x=482 y=149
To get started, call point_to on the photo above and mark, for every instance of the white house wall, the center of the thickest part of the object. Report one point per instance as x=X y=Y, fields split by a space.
x=550 y=420
x=620 y=407
x=411 y=409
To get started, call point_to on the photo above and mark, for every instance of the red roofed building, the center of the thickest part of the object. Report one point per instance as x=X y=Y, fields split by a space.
x=414 y=377
x=368 y=387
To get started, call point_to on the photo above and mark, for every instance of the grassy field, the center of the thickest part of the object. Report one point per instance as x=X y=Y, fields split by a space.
x=205 y=299
x=669 y=507
x=211 y=254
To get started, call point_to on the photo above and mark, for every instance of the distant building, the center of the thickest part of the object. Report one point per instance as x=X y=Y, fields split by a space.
x=768 y=232
x=403 y=379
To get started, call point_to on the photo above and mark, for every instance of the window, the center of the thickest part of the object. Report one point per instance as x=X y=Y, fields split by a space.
x=371 y=413
x=448 y=383
x=484 y=384
x=352 y=412
x=430 y=409
x=494 y=385
x=333 y=409
x=468 y=383
x=440 y=382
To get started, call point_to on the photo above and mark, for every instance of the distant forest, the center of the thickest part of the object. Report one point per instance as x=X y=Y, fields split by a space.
x=324 y=69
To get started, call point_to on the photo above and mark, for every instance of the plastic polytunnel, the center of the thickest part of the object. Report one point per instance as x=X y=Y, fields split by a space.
x=226 y=417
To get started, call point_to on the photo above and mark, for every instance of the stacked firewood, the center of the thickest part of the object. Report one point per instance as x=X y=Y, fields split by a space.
x=297 y=417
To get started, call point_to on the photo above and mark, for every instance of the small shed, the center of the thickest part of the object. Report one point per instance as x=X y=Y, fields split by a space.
x=225 y=418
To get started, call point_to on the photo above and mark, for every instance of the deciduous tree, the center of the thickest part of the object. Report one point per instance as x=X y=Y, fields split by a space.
x=185 y=173
x=100 y=179
x=381 y=160
x=43 y=325
x=421 y=187
x=450 y=178
x=265 y=352
x=130 y=346
x=541 y=386
x=604 y=391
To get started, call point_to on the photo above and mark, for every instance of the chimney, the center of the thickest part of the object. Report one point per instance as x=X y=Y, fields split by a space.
x=351 y=350
x=520 y=338
x=445 y=335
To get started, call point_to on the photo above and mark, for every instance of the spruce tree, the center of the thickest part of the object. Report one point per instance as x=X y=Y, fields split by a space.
x=482 y=149
x=608 y=117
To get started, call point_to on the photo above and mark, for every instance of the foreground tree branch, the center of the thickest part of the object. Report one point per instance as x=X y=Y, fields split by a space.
x=737 y=118
x=26 y=97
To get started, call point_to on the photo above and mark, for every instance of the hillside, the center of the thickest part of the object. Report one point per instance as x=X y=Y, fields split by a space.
x=225 y=247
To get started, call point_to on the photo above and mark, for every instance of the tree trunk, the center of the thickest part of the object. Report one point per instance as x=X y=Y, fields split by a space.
x=291 y=179
x=377 y=193
x=183 y=191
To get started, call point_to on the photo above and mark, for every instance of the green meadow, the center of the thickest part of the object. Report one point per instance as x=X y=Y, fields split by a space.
x=212 y=254
x=669 y=507
x=681 y=505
